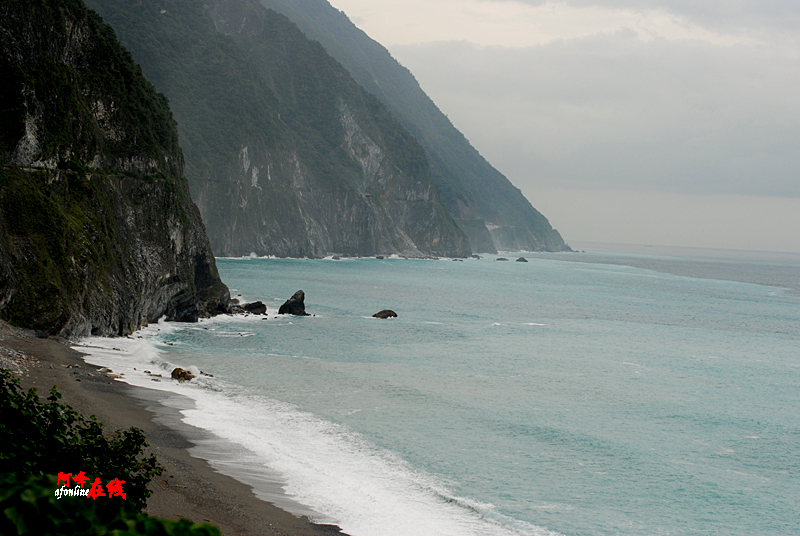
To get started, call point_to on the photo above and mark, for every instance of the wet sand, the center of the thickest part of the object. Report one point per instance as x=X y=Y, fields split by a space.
x=189 y=487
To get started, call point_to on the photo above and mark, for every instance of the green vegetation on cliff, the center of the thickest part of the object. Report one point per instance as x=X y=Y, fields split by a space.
x=215 y=92
x=63 y=78
x=98 y=233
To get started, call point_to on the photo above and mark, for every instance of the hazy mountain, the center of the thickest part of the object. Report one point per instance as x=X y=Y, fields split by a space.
x=481 y=199
x=286 y=154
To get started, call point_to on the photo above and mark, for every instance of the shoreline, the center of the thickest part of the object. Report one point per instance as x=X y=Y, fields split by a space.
x=189 y=486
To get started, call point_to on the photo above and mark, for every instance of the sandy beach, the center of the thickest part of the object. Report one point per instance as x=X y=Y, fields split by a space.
x=189 y=487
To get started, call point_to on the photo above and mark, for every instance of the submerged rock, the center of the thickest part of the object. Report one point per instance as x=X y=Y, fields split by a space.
x=182 y=375
x=501 y=259
x=294 y=305
x=386 y=313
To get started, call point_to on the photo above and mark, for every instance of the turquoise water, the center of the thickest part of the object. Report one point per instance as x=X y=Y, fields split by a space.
x=508 y=398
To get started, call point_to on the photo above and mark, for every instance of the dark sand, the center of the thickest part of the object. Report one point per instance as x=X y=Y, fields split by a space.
x=189 y=487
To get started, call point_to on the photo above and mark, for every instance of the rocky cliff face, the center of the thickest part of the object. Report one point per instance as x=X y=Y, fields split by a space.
x=98 y=234
x=286 y=154
x=489 y=209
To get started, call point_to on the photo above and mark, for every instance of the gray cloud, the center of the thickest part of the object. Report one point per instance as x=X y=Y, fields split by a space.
x=716 y=14
x=614 y=112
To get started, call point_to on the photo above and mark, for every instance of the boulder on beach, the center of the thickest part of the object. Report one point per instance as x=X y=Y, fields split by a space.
x=294 y=305
x=257 y=308
x=182 y=375
x=386 y=313
x=522 y=259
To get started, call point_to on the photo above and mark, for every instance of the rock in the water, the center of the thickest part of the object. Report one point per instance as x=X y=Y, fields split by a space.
x=182 y=375
x=257 y=308
x=294 y=305
x=379 y=257
x=501 y=259
x=386 y=313
x=522 y=259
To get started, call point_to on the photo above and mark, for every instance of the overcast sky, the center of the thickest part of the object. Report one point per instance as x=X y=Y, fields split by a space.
x=664 y=122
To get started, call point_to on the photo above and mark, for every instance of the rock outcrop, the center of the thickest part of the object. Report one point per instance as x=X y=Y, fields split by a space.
x=256 y=308
x=294 y=305
x=522 y=259
x=386 y=313
x=182 y=375
x=98 y=233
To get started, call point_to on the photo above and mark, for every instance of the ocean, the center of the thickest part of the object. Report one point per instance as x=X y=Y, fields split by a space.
x=610 y=392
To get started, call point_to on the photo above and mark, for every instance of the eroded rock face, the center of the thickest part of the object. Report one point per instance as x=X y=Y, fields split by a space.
x=294 y=305
x=98 y=233
x=489 y=209
x=386 y=313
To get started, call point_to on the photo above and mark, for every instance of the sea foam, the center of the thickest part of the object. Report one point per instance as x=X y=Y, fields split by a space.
x=326 y=471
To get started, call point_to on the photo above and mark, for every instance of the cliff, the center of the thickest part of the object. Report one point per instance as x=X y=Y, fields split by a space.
x=286 y=154
x=98 y=233
x=488 y=208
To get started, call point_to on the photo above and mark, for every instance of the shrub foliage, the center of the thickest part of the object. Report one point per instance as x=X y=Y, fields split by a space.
x=50 y=438
x=42 y=439
x=28 y=506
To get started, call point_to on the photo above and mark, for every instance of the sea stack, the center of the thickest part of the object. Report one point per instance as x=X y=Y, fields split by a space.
x=294 y=305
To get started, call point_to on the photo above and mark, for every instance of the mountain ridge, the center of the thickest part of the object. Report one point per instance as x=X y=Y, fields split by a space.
x=493 y=213
x=286 y=154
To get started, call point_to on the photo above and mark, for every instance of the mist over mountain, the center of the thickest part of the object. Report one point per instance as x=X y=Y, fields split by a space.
x=285 y=153
x=491 y=210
